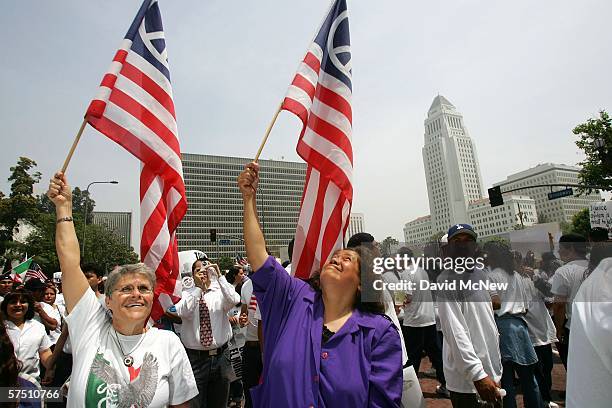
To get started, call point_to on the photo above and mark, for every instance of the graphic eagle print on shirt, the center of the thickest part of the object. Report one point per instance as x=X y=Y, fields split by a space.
x=137 y=393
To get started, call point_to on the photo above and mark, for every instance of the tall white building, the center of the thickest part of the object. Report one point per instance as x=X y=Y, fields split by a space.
x=356 y=224
x=558 y=210
x=451 y=164
x=452 y=172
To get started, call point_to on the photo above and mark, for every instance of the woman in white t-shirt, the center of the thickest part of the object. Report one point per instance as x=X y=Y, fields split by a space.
x=118 y=360
x=29 y=338
x=511 y=305
x=49 y=296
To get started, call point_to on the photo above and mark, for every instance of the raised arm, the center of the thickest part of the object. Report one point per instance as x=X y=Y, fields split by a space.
x=254 y=240
x=66 y=243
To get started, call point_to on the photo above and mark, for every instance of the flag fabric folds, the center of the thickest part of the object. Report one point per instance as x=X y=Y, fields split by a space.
x=134 y=107
x=35 y=272
x=18 y=273
x=320 y=95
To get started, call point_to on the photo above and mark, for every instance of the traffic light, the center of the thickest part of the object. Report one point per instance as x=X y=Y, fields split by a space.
x=495 y=196
x=213 y=235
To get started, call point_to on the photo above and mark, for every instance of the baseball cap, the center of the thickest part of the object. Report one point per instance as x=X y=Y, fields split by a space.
x=6 y=276
x=461 y=229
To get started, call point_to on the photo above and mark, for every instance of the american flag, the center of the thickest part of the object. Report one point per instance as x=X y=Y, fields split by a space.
x=320 y=95
x=134 y=107
x=35 y=272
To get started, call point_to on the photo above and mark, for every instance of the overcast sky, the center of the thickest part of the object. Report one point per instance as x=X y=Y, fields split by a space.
x=523 y=74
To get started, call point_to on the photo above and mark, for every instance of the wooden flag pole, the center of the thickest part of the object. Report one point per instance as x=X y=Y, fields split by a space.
x=265 y=139
x=74 y=145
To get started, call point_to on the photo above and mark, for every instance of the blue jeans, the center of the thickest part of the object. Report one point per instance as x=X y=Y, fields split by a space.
x=526 y=375
x=212 y=379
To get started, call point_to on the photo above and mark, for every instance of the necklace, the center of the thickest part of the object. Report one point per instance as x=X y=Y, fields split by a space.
x=128 y=360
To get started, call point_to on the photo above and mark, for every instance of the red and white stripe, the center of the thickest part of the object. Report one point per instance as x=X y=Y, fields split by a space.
x=323 y=103
x=134 y=107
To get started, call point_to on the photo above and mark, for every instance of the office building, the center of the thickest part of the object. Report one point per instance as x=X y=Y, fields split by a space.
x=215 y=203
x=119 y=223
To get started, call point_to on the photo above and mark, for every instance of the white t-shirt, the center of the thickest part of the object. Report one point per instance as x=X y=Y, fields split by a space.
x=539 y=323
x=53 y=313
x=566 y=282
x=248 y=298
x=589 y=365
x=471 y=340
x=514 y=299
x=28 y=342
x=420 y=311
x=161 y=374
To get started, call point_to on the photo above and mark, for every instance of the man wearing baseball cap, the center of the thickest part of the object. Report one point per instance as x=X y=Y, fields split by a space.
x=471 y=357
x=6 y=285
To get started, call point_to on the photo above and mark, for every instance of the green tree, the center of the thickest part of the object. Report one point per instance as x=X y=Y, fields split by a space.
x=436 y=237
x=20 y=205
x=386 y=245
x=581 y=222
x=81 y=199
x=225 y=262
x=597 y=167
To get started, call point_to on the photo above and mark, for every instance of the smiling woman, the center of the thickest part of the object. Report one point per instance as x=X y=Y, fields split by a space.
x=116 y=356
x=326 y=344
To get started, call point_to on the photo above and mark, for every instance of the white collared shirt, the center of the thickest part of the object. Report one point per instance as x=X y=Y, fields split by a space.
x=471 y=341
x=566 y=282
x=28 y=341
x=220 y=298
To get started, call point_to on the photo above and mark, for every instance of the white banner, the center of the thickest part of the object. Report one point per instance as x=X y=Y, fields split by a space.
x=601 y=215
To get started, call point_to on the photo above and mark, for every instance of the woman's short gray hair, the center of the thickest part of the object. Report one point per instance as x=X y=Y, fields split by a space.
x=130 y=269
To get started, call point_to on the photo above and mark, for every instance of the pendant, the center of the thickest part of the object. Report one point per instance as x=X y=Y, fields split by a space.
x=128 y=361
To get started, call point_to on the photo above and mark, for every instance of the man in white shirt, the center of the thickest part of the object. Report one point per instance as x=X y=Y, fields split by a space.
x=205 y=332
x=471 y=357
x=419 y=322
x=589 y=373
x=565 y=284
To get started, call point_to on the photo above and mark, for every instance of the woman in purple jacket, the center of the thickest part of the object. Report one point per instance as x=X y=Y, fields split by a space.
x=323 y=345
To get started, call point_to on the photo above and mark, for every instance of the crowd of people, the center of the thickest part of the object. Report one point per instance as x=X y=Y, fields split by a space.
x=255 y=336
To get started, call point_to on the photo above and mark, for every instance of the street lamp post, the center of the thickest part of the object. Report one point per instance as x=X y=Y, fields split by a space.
x=85 y=211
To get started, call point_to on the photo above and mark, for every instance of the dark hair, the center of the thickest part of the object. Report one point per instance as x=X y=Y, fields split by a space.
x=574 y=242
x=290 y=249
x=232 y=273
x=92 y=268
x=599 y=252
x=499 y=256
x=9 y=365
x=367 y=277
x=598 y=234
x=193 y=265
x=19 y=294
x=529 y=259
x=358 y=239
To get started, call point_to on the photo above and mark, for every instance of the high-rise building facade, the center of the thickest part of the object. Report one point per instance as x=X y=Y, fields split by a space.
x=356 y=224
x=558 y=210
x=215 y=202
x=451 y=165
x=119 y=223
x=488 y=221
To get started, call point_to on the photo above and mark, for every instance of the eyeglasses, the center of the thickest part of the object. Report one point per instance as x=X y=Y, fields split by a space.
x=128 y=290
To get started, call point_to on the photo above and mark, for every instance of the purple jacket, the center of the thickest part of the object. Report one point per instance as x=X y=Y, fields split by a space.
x=359 y=366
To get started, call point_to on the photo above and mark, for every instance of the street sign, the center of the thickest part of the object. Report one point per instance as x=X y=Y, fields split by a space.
x=224 y=242
x=560 y=194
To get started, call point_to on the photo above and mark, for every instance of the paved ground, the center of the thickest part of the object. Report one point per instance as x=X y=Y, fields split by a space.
x=428 y=387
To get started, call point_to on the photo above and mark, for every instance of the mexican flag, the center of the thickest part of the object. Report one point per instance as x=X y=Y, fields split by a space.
x=18 y=272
